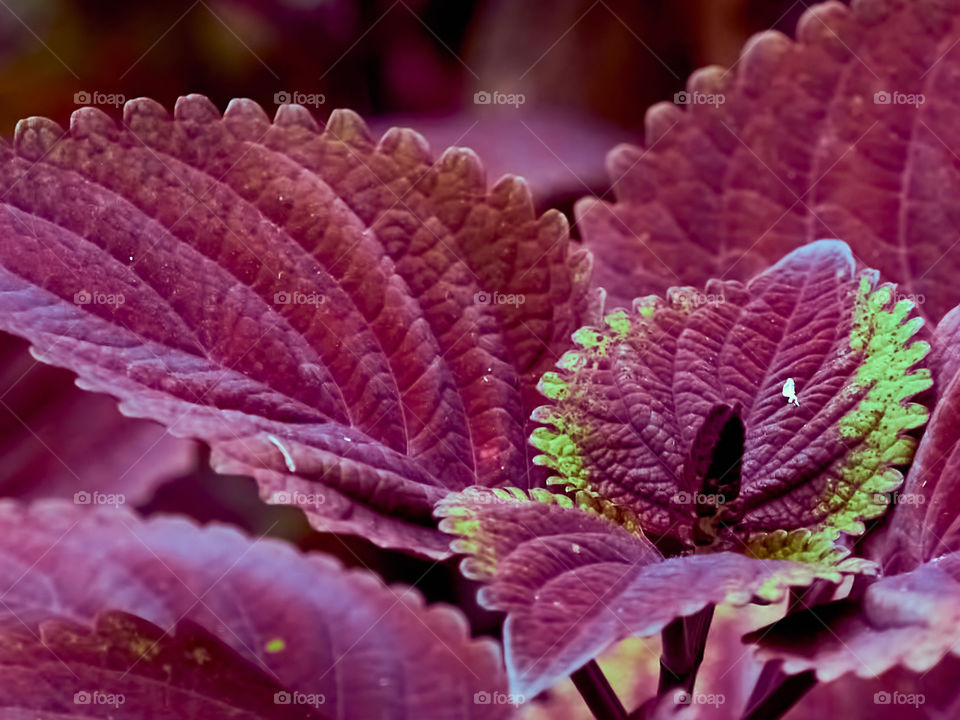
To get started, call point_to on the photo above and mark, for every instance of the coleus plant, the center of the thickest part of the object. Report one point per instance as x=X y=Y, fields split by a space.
x=369 y=333
x=725 y=446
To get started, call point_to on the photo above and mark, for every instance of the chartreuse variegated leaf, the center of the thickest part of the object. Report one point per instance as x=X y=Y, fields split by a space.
x=910 y=617
x=573 y=582
x=816 y=360
x=737 y=431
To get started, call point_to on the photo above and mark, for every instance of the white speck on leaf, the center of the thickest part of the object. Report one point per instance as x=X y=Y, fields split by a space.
x=576 y=548
x=287 y=457
x=790 y=392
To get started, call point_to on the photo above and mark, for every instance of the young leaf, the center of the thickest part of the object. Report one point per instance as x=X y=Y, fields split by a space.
x=911 y=616
x=848 y=132
x=573 y=583
x=634 y=407
x=307 y=624
x=354 y=324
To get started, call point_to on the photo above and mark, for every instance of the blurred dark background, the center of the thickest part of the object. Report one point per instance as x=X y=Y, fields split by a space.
x=587 y=70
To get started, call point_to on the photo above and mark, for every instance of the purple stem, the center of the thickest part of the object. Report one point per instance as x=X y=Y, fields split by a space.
x=597 y=693
x=683 y=642
x=776 y=692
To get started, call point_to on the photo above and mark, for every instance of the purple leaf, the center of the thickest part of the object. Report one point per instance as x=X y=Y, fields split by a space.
x=849 y=132
x=560 y=154
x=911 y=619
x=126 y=667
x=925 y=522
x=56 y=440
x=896 y=695
x=573 y=583
x=302 y=620
x=816 y=360
x=944 y=358
x=354 y=324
